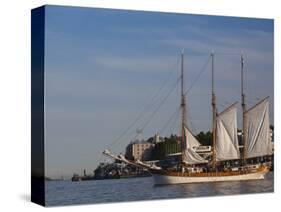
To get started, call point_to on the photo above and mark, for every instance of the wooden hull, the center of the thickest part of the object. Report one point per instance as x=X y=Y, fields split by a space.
x=164 y=177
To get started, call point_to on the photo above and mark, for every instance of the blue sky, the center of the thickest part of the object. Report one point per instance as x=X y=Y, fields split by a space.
x=104 y=66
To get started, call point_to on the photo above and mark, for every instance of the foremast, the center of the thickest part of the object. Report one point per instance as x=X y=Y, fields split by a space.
x=214 y=110
x=183 y=108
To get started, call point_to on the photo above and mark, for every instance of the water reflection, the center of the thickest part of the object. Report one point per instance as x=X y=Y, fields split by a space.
x=134 y=189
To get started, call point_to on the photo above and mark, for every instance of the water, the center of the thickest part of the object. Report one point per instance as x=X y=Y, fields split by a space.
x=134 y=189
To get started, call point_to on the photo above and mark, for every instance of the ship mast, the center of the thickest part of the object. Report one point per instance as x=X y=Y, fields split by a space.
x=214 y=114
x=183 y=107
x=243 y=104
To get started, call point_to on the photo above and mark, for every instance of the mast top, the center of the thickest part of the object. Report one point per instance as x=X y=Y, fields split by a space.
x=182 y=51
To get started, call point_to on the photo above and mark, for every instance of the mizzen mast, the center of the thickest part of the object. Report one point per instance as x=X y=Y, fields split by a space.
x=243 y=104
x=183 y=107
x=214 y=114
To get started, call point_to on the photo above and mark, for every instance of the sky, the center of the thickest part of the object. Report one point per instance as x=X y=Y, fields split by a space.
x=110 y=70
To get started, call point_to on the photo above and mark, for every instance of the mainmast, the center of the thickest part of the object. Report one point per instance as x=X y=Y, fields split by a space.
x=243 y=104
x=214 y=114
x=183 y=107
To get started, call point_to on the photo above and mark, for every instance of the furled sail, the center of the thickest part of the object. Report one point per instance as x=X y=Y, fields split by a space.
x=257 y=130
x=226 y=135
x=190 y=156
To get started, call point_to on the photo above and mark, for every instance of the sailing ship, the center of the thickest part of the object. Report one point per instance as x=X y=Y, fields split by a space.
x=193 y=168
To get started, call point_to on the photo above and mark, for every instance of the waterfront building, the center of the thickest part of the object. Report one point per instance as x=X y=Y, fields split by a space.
x=139 y=150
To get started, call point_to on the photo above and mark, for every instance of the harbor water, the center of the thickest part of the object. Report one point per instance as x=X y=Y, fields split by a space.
x=135 y=189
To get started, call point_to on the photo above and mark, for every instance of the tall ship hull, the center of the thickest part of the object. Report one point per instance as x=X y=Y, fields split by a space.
x=164 y=178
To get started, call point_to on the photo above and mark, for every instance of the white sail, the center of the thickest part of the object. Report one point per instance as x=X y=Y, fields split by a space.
x=190 y=140
x=257 y=130
x=190 y=156
x=226 y=135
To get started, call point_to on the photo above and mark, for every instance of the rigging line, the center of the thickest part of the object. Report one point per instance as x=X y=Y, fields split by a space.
x=195 y=94
x=174 y=114
x=118 y=148
x=173 y=124
x=117 y=142
x=196 y=53
x=228 y=53
x=192 y=126
x=198 y=76
x=253 y=98
x=156 y=109
x=150 y=103
x=161 y=103
x=217 y=53
x=163 y=100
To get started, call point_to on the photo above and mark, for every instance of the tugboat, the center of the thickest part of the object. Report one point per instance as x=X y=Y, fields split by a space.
x=76 y=177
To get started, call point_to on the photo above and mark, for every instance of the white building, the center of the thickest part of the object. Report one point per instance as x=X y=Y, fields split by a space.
x=139 y=150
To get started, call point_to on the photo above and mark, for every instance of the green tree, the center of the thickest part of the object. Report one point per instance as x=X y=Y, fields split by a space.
x=205 y=138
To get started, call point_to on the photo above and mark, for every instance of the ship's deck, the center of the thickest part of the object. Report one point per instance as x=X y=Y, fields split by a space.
x=208 y=174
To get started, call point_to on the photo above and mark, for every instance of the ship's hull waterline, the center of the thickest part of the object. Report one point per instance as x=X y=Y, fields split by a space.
x=166 y=179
